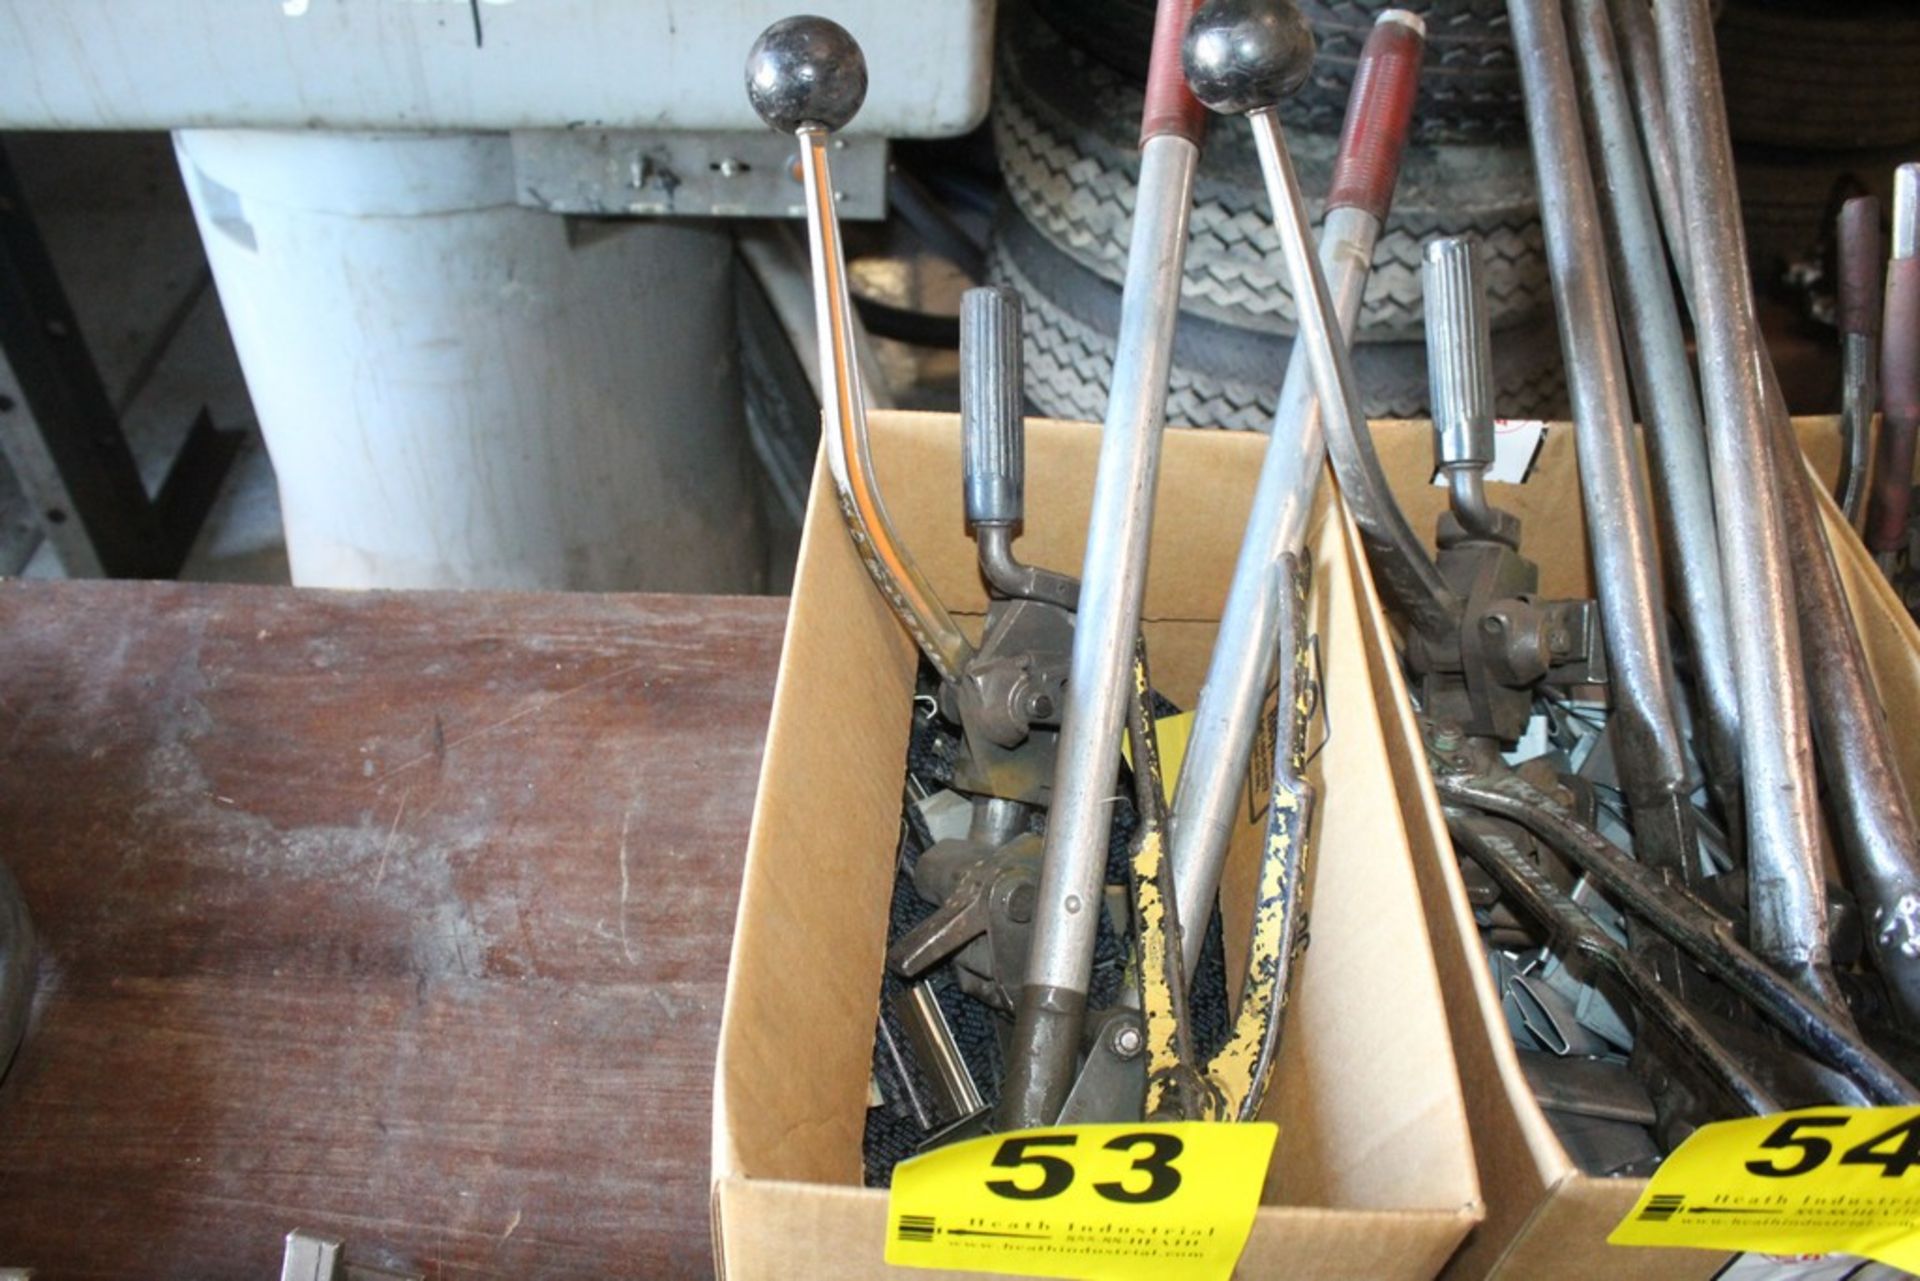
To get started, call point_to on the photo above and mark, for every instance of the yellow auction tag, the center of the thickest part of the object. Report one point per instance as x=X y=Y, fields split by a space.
x=1815 y=1181
x=1162 y=1202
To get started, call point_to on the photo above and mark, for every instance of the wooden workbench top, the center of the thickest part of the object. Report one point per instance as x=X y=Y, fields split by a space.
x=402 y=917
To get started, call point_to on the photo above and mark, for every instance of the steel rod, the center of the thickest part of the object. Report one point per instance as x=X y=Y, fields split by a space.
x=1656 y=350
x=1052 y=1006
x=1573 y=933
x=1873 y=815
x=1818 y=1028
x=1227 y=715
x=1786 y=884
x=1613 y=485
x=1633 y=22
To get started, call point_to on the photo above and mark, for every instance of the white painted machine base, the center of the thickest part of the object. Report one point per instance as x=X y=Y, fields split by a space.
x=460 y=392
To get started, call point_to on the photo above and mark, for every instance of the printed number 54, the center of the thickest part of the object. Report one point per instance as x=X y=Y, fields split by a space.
x=1813 y=1149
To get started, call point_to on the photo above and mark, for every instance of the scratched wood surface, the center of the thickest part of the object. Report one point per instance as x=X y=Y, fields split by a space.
x=401 y=917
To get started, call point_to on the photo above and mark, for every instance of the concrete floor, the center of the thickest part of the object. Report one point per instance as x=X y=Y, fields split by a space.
x=116 y=221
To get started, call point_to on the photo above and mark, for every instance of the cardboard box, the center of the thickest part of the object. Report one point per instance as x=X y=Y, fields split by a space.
x=1544 y=1217
x=1373 y=1176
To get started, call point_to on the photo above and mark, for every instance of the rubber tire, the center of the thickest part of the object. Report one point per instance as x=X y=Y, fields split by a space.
x=1469 y=87
x=1821 y=74
x=1222 y=376
x=1063 y=126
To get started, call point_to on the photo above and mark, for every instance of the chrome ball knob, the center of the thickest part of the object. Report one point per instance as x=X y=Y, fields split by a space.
x=806 y=71
x=1244 y=54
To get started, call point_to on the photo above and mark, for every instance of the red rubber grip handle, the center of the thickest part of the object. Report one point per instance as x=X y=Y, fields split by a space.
x=1863 y=266
x=1899 y=409
x=1379 y=115
x=1171 y=107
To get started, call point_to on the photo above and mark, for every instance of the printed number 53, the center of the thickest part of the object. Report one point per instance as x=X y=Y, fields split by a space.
x=1057 y=1173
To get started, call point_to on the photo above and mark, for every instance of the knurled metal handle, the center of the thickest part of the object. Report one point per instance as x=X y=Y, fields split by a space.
x=1459 y=352
x=992 y=432
x=1170 y=107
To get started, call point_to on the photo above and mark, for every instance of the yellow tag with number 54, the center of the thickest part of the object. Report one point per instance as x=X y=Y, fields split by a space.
x=1815 y=1181
x=1153 y=1201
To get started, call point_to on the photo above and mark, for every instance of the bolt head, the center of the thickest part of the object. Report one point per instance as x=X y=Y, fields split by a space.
x=806 y=71
x=1241 y=55
x=1128 y=1040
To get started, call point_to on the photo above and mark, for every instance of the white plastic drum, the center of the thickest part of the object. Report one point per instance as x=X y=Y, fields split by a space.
x=460 y=392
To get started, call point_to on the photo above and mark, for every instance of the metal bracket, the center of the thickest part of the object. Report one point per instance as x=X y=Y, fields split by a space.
x=688 y=174
x=311 y=1257
x=62 y=437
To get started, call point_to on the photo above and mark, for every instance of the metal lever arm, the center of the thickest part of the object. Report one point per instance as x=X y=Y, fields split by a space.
x=806 y=76
x=1786 y=881
x=1052 y=1011
x=1613 y=485
x=1572 y=931
x=1706 y=938
x=1228 y=714
x=1406 y=573
x=1656 y=353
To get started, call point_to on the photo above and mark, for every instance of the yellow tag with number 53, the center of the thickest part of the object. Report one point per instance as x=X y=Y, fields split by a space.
x=1153 y=1201
x=1815 y=1181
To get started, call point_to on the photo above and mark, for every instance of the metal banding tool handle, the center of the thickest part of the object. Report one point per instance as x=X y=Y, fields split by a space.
x=1823 y=1031
x=1575 y=933
x=1052 y=1008
x=1899 y=374
x=1633 y=20
x=1460 y=373
x=1227 y=716
x=1656 y=352
x=1872 y=813
x=1613 y=485
x=1863 y=265
x=1786 y=879
x=806 y=76
x=1226 y=76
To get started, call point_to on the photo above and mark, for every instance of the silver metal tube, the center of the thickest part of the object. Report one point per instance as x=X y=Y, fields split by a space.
x=1785 y=880
x=1634 y=23
x=1112 y=584
x=1906 y=211
x=1226 y=719
x=1646 y=697
x=1657 y=355
x=843 y=411
x=1405 y=572
x=1859 y=385
x=1879 y=838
